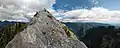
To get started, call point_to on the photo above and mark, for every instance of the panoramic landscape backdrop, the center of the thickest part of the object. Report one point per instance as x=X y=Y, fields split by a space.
x=59 y=24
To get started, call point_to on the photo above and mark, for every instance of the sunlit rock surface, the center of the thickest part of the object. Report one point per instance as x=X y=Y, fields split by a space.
x=44 y=31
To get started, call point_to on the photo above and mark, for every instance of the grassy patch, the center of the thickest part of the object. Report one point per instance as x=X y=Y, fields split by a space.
x=69 y=32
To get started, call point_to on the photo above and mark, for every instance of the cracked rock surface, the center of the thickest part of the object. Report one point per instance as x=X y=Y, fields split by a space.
x=44 y=31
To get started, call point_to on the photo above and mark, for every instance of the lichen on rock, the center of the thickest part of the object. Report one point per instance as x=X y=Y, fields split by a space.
x=69 y=32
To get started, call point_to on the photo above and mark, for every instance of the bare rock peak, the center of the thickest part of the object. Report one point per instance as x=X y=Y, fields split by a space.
x=44 y=31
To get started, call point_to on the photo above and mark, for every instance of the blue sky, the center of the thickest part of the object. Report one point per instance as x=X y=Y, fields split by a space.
x=90 y=10
x=69 y=4
x=110 y=4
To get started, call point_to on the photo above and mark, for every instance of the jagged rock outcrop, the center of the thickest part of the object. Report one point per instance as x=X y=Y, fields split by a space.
x=44 y=31
x=108 y=42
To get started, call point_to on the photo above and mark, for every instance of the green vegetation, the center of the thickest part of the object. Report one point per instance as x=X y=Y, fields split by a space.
x=8 y=33
x=69 y=32
x=102 y=37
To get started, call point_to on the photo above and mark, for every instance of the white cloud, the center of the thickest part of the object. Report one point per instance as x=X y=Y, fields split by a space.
x=95 y=14
x=22 y=9
x=59 y=14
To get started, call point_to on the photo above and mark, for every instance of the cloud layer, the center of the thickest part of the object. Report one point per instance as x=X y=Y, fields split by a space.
x=95 y=14
x=22 y=10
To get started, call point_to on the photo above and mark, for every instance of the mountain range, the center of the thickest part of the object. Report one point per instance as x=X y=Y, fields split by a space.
x=80 y=28
x=96 y=35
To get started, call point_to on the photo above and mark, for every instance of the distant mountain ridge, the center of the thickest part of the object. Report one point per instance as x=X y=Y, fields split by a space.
x=96 y=35
x=4 y=23
x=79 y=28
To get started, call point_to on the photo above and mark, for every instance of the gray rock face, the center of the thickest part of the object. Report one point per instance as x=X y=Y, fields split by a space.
x=44 y=31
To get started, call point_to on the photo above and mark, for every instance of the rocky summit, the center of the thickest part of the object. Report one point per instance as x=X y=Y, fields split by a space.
x=44 y=31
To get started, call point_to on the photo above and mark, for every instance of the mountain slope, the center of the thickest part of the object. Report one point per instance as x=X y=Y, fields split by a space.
x=44 y=31
x=97 y=35
x=80 y=28
x=8 y=32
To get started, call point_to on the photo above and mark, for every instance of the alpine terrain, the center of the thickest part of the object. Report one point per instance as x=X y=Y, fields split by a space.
x=44 y=31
